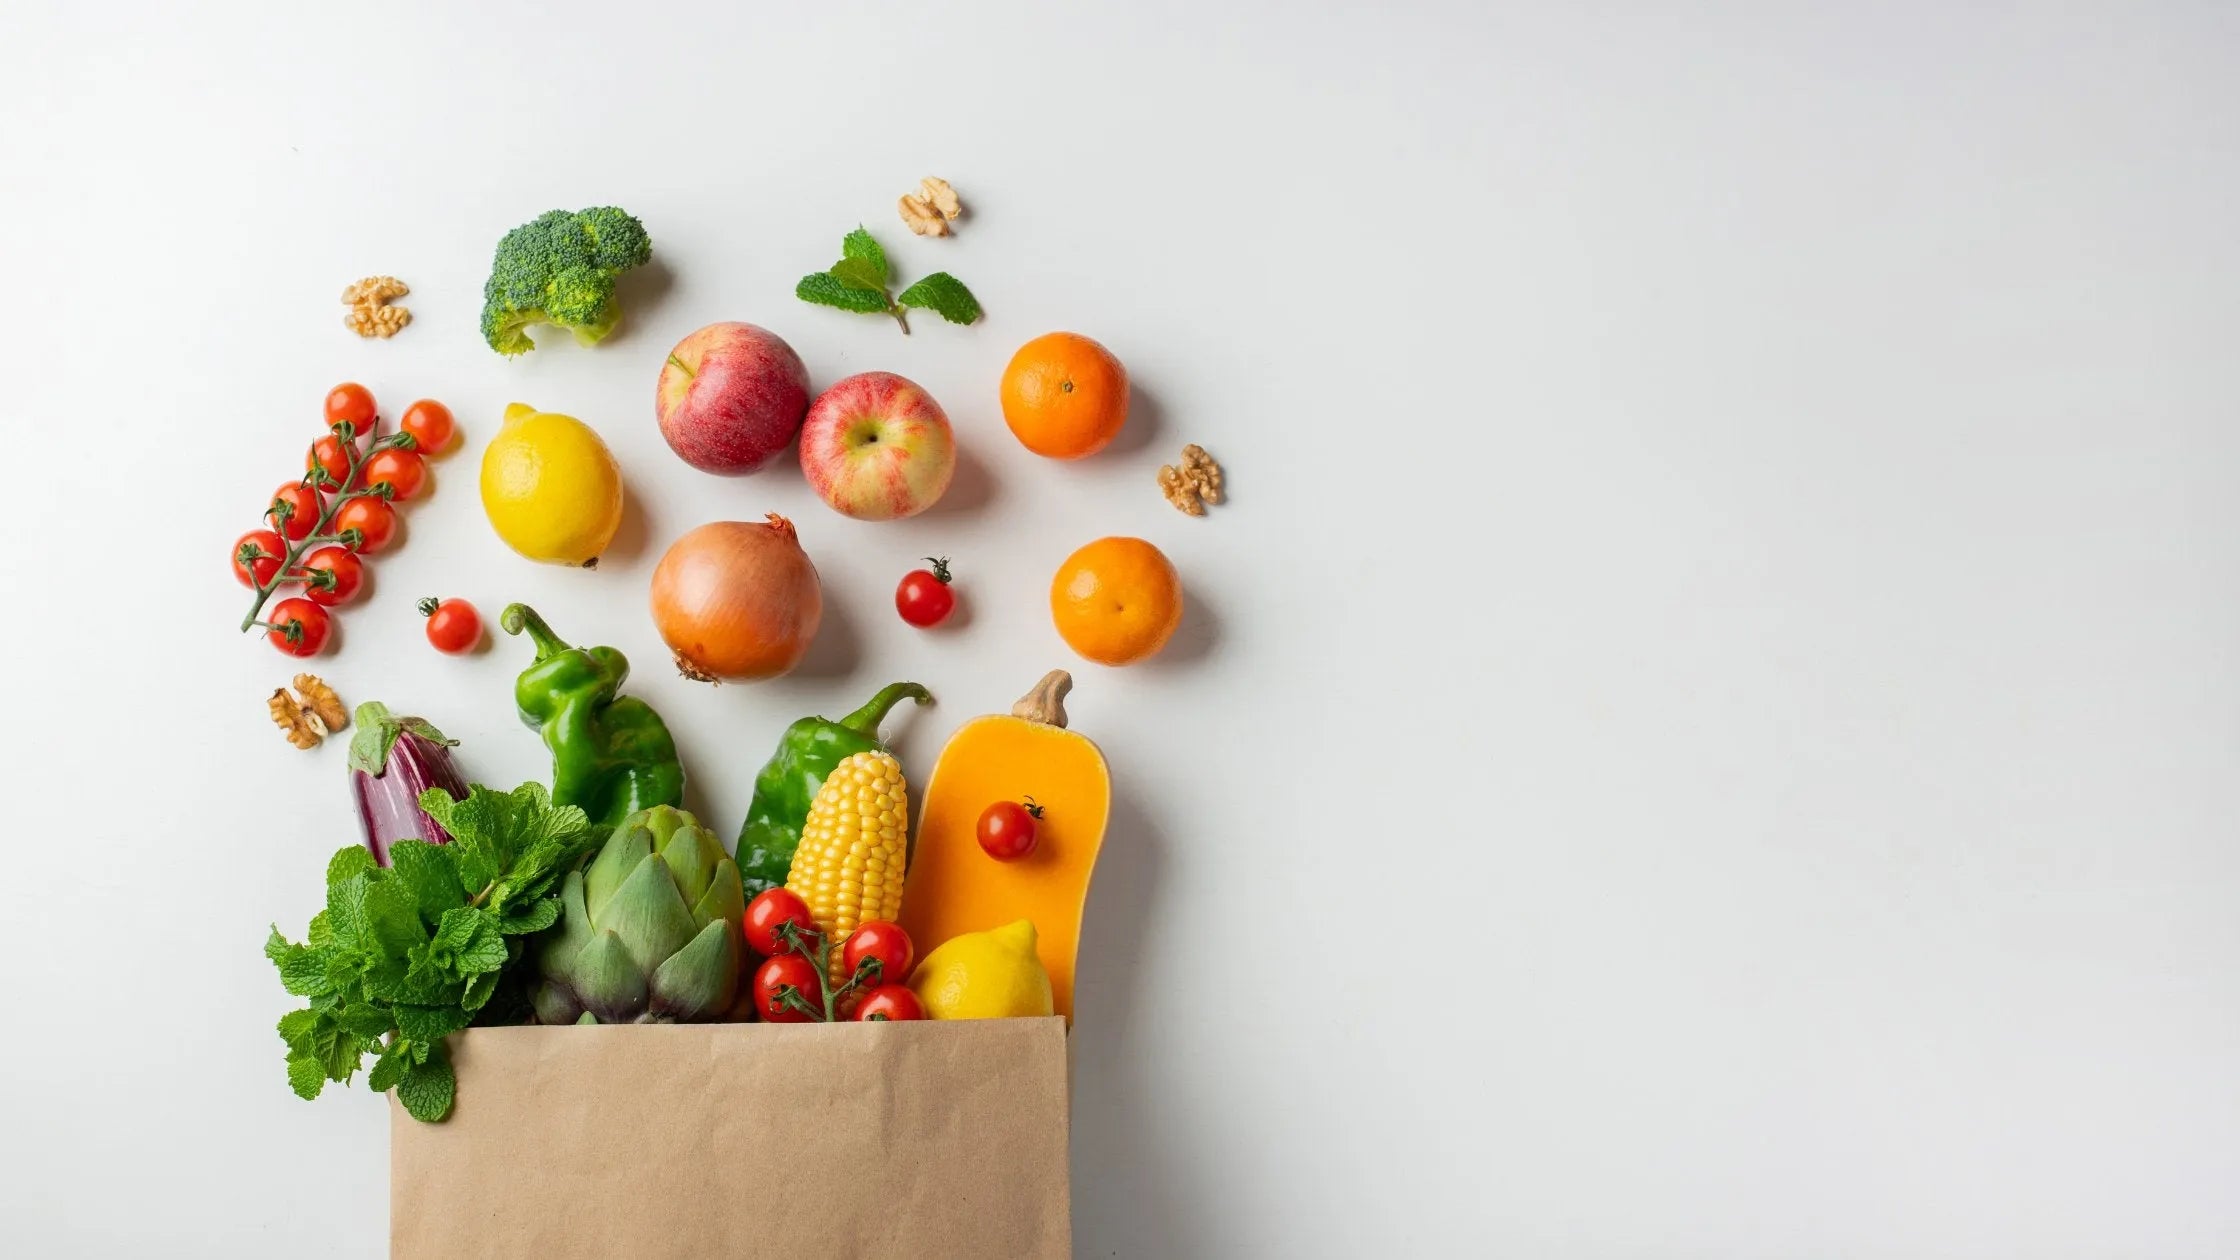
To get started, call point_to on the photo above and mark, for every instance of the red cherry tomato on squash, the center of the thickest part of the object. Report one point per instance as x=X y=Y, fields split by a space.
x=453 y=624
x=299 y=627
x=774 y=976
x=1007 y=829
x=771 y=907
x=350 y=402
x=924 y=598
x=375 y=521
x=268 y=551
x=885 y=942
x=300 y=515
x=402 y=470
x=889 y=1002
x=429 y=423
x=329 y=455
x=345 y=573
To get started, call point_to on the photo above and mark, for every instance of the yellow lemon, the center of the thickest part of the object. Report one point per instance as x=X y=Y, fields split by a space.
x=984 y=975
x=550 y=487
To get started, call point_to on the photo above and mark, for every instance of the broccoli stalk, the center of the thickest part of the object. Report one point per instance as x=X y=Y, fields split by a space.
x=559 y=268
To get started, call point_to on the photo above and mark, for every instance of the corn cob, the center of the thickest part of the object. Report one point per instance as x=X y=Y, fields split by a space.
x=849 y=865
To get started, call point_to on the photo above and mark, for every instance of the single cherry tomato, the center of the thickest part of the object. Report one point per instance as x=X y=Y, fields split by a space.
x=776 y=975
x=771 y=907
x=351 y=403
x=924 y=598
x=375 y=521
x=333 y=575
x=1007 y=829
x=298 y=626
x=429 y=423
x=330 y=456
x=453 y=624
x=401 y=470
x=257 y=556
x=294 y=510
x=883 y=943
x=889 y=1002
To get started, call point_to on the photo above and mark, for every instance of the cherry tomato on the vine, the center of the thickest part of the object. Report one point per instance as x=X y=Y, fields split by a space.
x=779 y=973
x=883 y=941
x=353 y=403
x=890 y=1002
x=298 y=626
x=402 y=470
x=771 y=907
x=453 y=624
x=375 y=521
x=924 y=598
x=329 y=455
x=1007 y=829
x=300 y=515
x=429 y=423
x=343 y=574
x=257 y=556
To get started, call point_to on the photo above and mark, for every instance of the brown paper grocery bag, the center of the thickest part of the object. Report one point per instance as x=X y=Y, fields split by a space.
x=639 y=1142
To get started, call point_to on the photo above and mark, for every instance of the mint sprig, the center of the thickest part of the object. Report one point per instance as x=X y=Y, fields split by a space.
x=407 y=954
x=858 y=282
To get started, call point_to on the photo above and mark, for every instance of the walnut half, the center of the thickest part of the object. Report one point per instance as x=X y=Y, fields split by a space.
x=931 y=209
x=1194 y=483
x=310 y=714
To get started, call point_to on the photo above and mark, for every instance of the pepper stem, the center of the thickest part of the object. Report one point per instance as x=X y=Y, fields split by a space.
x=865 y=721
x=1047 y=702
x=519 y=617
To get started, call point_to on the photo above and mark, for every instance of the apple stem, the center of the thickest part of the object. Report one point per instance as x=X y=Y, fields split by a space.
x=679 y=365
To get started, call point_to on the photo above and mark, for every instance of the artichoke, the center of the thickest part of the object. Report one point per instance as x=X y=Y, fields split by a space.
x=649 y=931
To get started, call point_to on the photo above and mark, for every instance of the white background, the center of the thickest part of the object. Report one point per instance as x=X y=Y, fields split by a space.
x=1708 y=728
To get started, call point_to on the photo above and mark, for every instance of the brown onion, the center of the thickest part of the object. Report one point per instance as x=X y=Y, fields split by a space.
x=738 y=600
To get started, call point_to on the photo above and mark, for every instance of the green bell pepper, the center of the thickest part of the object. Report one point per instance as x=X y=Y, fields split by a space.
x=808 y=751
x=611 y=754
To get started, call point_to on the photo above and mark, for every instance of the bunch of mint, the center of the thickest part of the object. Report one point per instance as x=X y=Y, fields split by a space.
x=858 y=282
x=405 y=955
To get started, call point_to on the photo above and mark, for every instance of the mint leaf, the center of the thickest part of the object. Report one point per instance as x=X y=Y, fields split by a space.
x=306 y=1076
x=858 y=274
x=429 y=1023
x=430 y=872
x=318 y=934
x=493 y=833
x=296 y=1026
x=355 y=860
x=826 y=289
x=428 y=1088
x=534 y=917
x=478 y=991
x=390 y=915
x=389 y=1069
x=365 y=1021
x=467 y=943
x=858 y=246
x=944 y=295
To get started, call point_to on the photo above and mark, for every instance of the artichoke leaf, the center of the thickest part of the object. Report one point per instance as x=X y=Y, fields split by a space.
x=697 y=982
x=625 y=849
x=648 y=915
x=608 y=981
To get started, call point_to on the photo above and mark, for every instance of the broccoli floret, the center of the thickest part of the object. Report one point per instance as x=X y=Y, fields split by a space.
x=559 y=268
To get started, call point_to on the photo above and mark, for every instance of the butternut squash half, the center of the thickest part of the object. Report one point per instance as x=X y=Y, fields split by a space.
x=954 y=887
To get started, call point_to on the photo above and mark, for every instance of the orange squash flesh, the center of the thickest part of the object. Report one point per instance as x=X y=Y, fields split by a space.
x=954 y=887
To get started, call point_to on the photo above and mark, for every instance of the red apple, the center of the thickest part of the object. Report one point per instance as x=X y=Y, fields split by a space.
x=730 y=397
x=875 y=447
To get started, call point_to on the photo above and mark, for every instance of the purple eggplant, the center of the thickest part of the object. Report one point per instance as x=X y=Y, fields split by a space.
x=392 y=761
